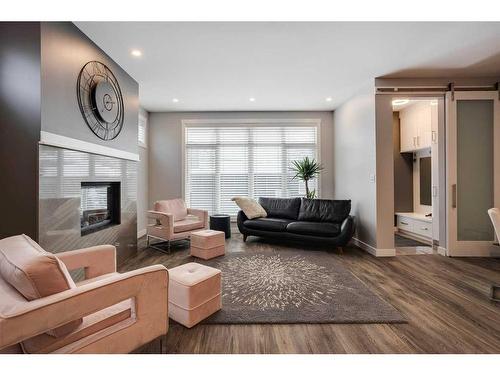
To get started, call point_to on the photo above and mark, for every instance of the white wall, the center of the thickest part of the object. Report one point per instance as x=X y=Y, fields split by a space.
x=165 y=147
x=142 y=184
x=354 y=162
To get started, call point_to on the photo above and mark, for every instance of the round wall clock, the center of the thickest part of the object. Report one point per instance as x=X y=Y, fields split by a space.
x=100 y=100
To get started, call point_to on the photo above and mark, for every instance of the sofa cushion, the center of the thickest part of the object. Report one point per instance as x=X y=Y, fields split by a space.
x=250 y=207
x=176 y=207
x=189 y=223
x=267 y=224
x=310 y=228
x=283 y=208
x=324 y=210
x=34 y=273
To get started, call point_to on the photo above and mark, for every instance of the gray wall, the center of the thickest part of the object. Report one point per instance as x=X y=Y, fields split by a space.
x=65 y=50
x=354 y=161
x=143 y=183
x=165 y=147
x=19 y=127
x=403 y=171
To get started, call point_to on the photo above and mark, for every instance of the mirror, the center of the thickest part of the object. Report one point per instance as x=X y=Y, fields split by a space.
x=425 y=181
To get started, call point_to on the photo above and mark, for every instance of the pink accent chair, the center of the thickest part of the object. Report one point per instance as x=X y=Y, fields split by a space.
x=108 y=312
x=174 y=221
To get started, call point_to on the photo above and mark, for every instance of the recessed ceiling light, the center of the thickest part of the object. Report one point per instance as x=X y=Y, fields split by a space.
x=329 y=99
x=136 y=53
x=252 y=99
x=175 y=100
x=400 y=101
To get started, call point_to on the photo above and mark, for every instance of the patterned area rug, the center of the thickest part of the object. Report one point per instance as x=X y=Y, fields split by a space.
x=294 y=287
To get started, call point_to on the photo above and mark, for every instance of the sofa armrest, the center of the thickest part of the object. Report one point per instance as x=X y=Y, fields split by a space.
x=96 y=260
x=202 y=215
x=148 y=287
x=346 y=230
x=240 y=219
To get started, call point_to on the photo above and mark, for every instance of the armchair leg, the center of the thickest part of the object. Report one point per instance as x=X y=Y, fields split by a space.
x=147 y=240
x=245 y=238
x=163 y=344
x=341 y=250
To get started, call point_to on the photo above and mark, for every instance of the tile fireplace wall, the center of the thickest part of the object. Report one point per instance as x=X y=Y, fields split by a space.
x=61 y=173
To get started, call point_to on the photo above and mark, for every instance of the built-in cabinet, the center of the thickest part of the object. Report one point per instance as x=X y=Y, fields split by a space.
x=414 y=225
x=416 y=126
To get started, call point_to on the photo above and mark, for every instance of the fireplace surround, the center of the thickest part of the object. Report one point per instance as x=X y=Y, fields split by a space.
x=85 y=200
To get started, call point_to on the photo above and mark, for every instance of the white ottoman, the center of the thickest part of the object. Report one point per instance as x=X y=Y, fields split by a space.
x=194 y=293
x=207 y=243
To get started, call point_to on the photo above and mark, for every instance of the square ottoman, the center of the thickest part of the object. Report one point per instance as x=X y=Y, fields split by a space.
x=194 y=293
x=207 y=243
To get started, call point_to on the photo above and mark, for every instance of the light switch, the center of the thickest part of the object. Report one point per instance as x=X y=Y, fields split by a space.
x=372 y=177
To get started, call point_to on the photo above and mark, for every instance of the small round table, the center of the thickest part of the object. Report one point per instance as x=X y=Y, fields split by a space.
x=222 y=223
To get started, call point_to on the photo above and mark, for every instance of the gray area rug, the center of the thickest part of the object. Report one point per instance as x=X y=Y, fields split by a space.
x=292 y=286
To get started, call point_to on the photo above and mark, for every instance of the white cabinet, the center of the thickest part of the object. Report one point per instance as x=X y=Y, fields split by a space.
x=416 y=126
x=415 y=224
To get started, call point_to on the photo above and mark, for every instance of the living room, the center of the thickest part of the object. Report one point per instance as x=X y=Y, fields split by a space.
x=237 y=188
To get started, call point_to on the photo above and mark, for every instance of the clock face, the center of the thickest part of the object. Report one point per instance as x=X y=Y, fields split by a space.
x=100 y=100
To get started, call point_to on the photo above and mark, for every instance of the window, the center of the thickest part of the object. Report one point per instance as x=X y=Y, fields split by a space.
x=142 y=133
x=223 y=161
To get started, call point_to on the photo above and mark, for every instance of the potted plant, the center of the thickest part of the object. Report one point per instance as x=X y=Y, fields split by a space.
x=305 y=170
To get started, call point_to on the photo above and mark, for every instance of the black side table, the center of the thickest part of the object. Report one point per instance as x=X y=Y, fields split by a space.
x=222 y=223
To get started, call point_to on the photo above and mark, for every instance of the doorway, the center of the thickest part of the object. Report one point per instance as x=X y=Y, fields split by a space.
x=416 y=174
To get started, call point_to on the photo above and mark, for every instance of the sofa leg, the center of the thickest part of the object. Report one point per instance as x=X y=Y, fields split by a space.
x=245 y=238
x=341 y=250
x=147 y=240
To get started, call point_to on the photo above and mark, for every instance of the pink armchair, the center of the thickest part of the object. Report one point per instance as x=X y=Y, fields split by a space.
x=114 y=312
x=172 y=221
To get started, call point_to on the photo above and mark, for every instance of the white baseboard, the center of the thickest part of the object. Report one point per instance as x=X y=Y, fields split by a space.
x=141 y=233
x=442 y=251
x=372 y=250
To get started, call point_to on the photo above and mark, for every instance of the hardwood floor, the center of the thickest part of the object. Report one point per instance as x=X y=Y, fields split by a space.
x=446 y=302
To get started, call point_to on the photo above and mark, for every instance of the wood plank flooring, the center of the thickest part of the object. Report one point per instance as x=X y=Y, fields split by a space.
x=446 y=302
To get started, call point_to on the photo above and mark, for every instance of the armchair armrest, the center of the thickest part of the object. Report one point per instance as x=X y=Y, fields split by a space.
x=163 y=221
x=201 y=214
x=147 y=286
x=96 y=260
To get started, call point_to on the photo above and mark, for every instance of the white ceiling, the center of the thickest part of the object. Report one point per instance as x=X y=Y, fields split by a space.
x=287 y=66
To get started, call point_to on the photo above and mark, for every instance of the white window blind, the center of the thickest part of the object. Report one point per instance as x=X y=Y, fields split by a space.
x=225 y=161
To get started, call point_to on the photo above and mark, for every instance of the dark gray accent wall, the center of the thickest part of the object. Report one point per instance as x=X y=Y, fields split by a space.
x=64 y=51
x=19 y=127
x=403 y=172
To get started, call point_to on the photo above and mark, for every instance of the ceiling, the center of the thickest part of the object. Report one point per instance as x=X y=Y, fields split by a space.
x=216 y=66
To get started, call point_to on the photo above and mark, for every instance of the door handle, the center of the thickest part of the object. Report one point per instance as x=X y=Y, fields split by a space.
x=454 y=196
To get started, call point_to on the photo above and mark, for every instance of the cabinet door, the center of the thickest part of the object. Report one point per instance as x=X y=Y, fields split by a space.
x=424 y=126
x=407 y=131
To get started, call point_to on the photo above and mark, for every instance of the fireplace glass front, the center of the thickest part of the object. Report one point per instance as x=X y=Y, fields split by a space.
x=99 y=206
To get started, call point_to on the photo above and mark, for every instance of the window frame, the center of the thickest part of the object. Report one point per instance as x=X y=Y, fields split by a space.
x=284 y=122
x=145 y=121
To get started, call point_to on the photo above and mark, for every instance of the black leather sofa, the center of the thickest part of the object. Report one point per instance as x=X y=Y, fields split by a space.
x=320 y=221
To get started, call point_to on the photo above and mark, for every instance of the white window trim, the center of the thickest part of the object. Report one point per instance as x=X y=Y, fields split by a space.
x=146 y=129
x=255 y=122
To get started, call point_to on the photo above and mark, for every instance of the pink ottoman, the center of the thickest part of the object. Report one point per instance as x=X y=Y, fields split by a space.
x=194 y=293
x=207 y=244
